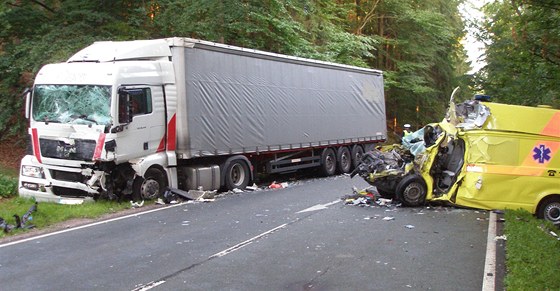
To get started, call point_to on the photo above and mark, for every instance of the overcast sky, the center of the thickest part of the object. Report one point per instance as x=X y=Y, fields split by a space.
x=471 y=11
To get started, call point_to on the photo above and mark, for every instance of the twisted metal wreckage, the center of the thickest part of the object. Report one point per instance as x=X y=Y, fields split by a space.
x=21 y=222
x=482 y=155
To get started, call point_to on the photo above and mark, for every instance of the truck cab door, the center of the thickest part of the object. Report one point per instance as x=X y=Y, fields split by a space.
x=142 y=117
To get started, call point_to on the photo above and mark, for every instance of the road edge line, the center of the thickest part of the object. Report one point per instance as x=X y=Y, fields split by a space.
x=489 y=278
x=87 y=225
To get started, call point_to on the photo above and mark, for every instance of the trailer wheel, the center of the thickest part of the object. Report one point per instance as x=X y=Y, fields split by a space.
x=328 y=162
x=549 y=210
x=149 y=187
x=411 y=191
x=357 y=153
x=344 y=160
x=237 y=175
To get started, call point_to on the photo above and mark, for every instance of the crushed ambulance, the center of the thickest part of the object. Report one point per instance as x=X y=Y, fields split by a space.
x=482 y=155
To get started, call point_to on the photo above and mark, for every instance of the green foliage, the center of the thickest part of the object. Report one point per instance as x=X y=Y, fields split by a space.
x=523 y=41
x=414 y=42
x=8 y=186
x=420 y=53
x=532 y=254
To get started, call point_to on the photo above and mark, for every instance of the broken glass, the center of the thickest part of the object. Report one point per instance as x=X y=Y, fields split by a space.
x=72 y=104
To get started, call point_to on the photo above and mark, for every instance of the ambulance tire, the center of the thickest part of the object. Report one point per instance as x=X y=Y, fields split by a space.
x=549 y=209
x=411 y=191
x=344 y=160
x=149 y=187
x=328 y=162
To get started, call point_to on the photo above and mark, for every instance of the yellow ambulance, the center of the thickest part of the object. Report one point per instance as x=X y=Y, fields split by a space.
x=482 y=155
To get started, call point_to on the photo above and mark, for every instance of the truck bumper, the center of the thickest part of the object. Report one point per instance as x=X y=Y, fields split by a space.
x=41 y=188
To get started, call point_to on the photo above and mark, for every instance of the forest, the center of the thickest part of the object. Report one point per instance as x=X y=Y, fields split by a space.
x=417 y=43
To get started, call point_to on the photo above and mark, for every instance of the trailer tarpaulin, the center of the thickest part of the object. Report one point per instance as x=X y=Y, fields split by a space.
x=238 y=103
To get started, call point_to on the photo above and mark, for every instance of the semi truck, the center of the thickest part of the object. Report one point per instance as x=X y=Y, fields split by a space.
x=138 y=117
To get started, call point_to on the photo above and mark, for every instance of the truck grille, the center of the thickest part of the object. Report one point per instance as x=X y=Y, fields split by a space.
x=66 y=176
x=81 y=150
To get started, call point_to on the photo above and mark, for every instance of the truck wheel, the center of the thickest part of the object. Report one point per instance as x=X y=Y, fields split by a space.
x=328 y=162
x=237 y=175
x=149 y=187
x=550 y=210
x=411 y=191
x=344 y=160
x=357 y=153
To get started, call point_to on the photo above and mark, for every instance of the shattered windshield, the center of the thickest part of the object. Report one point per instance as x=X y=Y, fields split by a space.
x=72 y=104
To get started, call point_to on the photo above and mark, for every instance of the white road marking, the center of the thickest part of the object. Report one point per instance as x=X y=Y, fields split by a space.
x=247 y=242
x=489 y=279
x=87 y=225
x=149 y=286
x=319 y=206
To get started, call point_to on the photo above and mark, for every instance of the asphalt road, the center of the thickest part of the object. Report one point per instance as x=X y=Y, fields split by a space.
x=299 y=238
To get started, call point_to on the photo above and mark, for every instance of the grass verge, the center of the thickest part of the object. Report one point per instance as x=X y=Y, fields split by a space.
x=49 y=214
x=532 y=253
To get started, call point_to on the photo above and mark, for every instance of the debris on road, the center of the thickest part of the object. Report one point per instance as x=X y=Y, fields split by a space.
x=368 y=197
x=171 y=195
x=388 y=218
x=409 y=226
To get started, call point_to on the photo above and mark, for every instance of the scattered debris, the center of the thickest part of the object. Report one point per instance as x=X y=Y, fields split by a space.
x=501 y=237
x=159 y=201
x=409 y=226
x=254 y=187
x=134 y=204
x=21 y=222
x=549 y=232
x=275 y=185
x=388 y=218
x=171 y=195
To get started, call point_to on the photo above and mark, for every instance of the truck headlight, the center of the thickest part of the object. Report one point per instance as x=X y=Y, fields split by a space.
x=32 y=171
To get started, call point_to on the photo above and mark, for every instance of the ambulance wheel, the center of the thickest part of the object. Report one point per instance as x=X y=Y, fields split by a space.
x=344 y=160
x=549 y=210
x=328 y=162
x=411 y=191
x=237 y=175
x=149 y=187
x=357 y=153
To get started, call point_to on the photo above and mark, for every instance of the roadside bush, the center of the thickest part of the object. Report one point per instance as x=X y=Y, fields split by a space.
x=8 y=186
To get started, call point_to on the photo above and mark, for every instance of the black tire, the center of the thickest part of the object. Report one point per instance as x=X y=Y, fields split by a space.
x=357 y=153
x=411 y=191
x=237 y=175
x=151 y=186
x=549 y=210
x=343 y=160
x=328 y=162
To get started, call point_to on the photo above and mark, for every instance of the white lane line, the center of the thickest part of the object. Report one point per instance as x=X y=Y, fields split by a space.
x=319 y=206
x=489 y=279
x=247 y=242
x=149 y=286
x=87 y=225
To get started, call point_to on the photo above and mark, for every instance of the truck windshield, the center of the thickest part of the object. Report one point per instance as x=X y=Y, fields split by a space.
x=72 y=104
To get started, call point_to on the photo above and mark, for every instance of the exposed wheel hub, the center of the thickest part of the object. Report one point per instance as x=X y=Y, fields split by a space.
x=552 y=212
x=149 y=189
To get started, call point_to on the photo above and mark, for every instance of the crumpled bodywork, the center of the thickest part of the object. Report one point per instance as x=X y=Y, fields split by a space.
x=482 y=155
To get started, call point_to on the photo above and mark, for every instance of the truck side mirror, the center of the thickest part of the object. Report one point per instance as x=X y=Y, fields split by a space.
x=27 y=93
x=124 y=107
